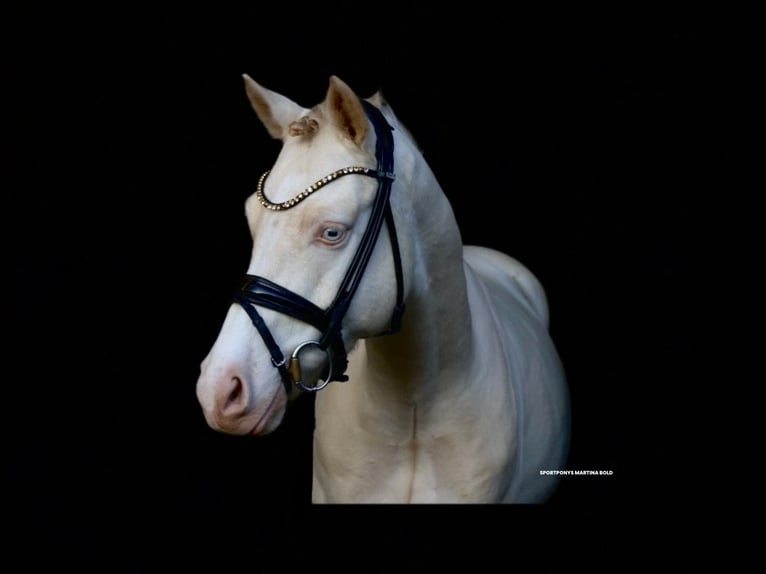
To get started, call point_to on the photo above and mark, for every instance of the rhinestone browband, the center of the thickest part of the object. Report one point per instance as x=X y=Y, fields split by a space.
x=312 y=188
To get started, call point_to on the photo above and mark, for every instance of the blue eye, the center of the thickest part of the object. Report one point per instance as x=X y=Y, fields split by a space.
x=333 y=234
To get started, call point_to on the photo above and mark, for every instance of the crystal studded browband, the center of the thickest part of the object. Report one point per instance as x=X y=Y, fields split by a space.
x=320 y=183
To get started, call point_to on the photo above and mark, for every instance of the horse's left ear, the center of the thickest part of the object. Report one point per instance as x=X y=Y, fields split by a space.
x=346 y=111
x=377 y=99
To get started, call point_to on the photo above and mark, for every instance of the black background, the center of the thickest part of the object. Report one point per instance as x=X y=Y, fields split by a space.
x=574 y=145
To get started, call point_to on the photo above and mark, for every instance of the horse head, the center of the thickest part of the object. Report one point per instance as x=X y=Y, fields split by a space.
x=308 y=223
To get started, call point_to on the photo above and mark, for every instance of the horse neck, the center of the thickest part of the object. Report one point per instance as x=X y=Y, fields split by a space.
x=435 y=340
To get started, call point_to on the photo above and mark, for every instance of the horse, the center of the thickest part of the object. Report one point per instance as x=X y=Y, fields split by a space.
x=446 y=384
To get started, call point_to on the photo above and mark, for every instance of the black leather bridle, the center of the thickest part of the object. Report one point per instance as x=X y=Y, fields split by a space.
x=258 y=291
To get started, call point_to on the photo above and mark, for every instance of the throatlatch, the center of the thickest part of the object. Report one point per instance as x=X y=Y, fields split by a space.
x=258 y=291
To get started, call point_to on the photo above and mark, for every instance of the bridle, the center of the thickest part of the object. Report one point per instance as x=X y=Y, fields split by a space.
x=258 y=291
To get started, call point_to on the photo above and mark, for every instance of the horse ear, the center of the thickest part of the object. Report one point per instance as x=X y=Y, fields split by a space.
x=275 y=111
x=377 y=99
x=346 y=110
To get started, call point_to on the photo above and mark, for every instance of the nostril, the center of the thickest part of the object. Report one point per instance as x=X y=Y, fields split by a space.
x=234 y=398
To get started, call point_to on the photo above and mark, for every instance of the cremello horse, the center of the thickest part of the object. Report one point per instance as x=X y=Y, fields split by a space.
x=466 y=402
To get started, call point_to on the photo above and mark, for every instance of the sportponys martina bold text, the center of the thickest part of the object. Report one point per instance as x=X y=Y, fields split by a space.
x=576 y=472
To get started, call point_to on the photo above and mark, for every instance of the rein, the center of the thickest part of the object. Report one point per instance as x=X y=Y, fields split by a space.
x=258 y=291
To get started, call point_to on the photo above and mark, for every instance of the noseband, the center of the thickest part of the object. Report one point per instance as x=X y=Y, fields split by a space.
x=258 y=291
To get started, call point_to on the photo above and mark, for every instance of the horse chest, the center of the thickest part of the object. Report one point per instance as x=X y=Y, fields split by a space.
x=429 y=462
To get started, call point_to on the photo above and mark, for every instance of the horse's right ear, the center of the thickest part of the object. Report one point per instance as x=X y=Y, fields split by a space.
x=275 y=111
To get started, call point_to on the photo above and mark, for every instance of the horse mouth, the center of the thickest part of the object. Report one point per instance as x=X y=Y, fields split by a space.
x=263 y=426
